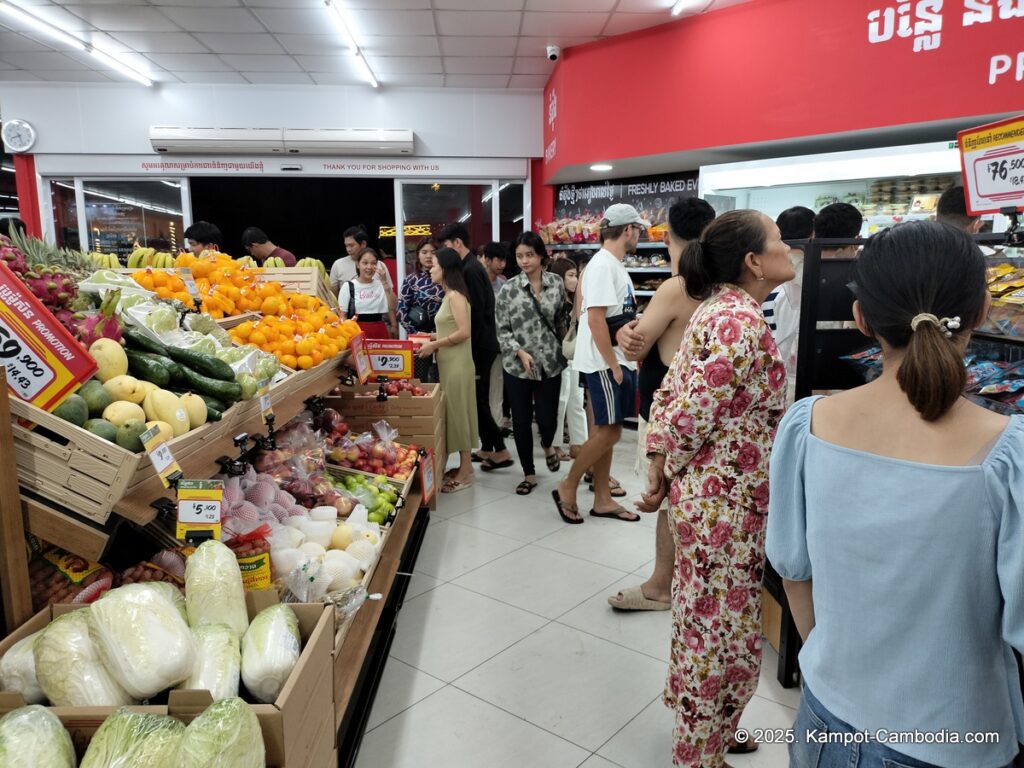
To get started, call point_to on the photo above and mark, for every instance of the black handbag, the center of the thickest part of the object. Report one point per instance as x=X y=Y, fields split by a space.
x=418 y=318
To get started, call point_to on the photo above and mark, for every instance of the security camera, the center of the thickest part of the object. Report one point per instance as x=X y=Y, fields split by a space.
x=554 y=52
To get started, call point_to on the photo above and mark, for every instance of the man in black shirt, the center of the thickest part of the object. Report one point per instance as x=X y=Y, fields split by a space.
x=484 y=341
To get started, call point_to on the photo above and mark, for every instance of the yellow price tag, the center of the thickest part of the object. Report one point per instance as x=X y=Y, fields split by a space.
x=160 y=456
x=199 y=507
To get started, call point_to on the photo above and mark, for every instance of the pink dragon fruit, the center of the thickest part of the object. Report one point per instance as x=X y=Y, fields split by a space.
x=51 y=286
x=12 y=257
x=102 y=324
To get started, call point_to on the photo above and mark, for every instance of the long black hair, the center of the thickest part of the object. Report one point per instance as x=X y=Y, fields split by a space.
x=451 y=270
x=717 y=256
x=532 y=241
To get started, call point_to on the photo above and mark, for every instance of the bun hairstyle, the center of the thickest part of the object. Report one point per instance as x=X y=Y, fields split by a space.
x=717 y=256
x=921 y=287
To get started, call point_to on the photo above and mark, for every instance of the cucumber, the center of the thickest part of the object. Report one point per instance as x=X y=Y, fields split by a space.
x=225 y=391
x=214 y=403
x=212 y=414
x=143 y=367
x=142 y=342
x=173 y=369
x=207 y=365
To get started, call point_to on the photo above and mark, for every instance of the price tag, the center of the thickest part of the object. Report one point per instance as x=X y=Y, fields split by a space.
x=199 y=507
x=992 y=161
x=160 y=456
x=190 y=285
x=390 y=358
x=265 y=407
x=427 y=475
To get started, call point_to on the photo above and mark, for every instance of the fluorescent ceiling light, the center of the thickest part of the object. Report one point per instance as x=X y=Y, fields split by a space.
x=691 y=6
x=601 y=167
x=366 y=71
x=464 y=218
x=517 y=219
x=488 y=196
x=341 y=22
x=170 y=184
x=42 y=26
x=121 y=66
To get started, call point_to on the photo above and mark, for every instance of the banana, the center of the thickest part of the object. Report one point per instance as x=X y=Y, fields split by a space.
x=135 y=259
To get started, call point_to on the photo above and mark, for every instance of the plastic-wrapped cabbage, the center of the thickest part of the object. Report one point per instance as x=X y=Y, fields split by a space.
x=173 y=594
x=218 y=661
x=214 y=593
x=18 y=670
x=270 y=651
x=34 y=736
x=142 y=638
x=206 y=324
x=69 y=668
x=160 y=318
x=226 y=735
x=135 y=740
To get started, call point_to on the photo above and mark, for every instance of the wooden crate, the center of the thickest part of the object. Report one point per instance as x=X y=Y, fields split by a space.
x=306 y=280
x=228 y=323
x=74 y=468
x=402 y=404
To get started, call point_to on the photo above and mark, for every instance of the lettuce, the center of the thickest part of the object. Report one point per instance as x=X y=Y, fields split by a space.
x=18 y=670
x=218 y=661
x=270 y=651
x=214 y=593
x=226 y=735
x=142 y=638
x=33 y=736
x=135 y=740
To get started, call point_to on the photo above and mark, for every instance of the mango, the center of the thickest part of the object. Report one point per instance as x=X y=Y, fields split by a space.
x=166 y=431
x=161 y=405
x=73 y=409
x=110 y=357
x=195 y=407
x=126 y=388
x=101 y=428
x=129 y=436
x=121 y=412
x=96 y=397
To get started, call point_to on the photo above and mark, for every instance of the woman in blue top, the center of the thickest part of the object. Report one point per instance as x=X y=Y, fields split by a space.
x=895 y=519
x=421 y=297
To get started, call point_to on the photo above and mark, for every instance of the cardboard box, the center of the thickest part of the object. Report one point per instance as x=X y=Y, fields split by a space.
x=402 y=404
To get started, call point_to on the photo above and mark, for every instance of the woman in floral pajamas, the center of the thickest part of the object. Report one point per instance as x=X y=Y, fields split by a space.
x=711 y=431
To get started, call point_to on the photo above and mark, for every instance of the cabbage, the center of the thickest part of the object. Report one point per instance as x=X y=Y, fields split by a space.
x=142 y=638
x=68 y=665
x=33 y=736
x=270 y=650
x=214 y=593
x=18 y=670
x=135 y=740
x=160 y=319
x=218 y=661
x=173 y=594
x=226 y=735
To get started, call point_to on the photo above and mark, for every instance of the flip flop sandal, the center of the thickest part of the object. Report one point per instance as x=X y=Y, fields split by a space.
x=553 y=461
x=454 y=486
x=562 y=507
x=525 y=488
x=588 y=477
x=563 y=455
x=476 y=458
x=632 y=599
x=489 y=465
x=742 y=749
x=616 y=514
x=616 y=491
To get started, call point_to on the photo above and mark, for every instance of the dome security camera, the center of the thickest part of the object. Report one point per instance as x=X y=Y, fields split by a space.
x=554 y=52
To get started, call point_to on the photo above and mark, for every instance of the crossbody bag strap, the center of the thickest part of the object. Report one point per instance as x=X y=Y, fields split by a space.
x=547 y=323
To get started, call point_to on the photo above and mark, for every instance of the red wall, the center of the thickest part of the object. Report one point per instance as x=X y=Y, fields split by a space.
x=775 y=69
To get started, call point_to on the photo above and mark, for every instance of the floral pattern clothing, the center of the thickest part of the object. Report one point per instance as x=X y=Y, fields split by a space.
x=521 y=327
x=419 y=289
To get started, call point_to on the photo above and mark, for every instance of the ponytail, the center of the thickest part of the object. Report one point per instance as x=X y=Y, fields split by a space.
x=694 y=271
x=932 y=373
x=717 y=256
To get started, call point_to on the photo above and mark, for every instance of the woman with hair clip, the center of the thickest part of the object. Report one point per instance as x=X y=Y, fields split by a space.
x=421 y=297
x=896 y=522
x=711 y=429
x=455 y=364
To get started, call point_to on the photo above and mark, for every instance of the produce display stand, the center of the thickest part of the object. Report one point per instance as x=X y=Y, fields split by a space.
x=14 y=582
x=308 y=280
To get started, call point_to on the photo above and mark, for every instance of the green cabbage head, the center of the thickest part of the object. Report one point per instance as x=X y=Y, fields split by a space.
x=34 y=736
x=226 y=735
x=135 y=740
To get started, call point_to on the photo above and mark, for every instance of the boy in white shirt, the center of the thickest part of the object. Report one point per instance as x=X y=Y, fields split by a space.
x=607 y=303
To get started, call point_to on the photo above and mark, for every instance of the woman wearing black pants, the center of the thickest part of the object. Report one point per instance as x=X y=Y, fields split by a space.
x=531 y=320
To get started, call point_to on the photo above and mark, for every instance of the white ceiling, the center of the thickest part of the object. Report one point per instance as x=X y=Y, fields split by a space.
x=408 y=43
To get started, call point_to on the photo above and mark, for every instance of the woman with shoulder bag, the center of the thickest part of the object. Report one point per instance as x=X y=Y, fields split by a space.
x=530 y=315
x=571 y=412
x=421 y=297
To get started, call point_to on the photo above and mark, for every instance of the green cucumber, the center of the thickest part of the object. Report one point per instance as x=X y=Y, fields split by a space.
x=143 y=367
x=214 y=403
x=207 y=365
x=225 y=391
x=142 y=342
x=212 y=414
x=173 y=369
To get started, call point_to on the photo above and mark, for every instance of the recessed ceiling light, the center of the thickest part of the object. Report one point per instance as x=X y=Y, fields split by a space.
x=601 y=167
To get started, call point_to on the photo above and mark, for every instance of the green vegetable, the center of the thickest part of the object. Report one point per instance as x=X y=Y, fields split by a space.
x=270 y=651
x=141 y=366
x=208 y=365
x=225 y=391
x=214 y=403
x=135 y=740
x=33 y=736
x=214 y=593
x=212 y=414
x=248 y=384
x=226 y=734
x=18 y=671
x=207 y=325
x=142 y=342
x=218 y=661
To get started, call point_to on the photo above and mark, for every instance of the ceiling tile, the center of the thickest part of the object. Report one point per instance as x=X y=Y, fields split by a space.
x=79 y=76
x=479 y=5
x=213 y=78
x=275 y=3
x=411 y=5
x=533 y=65
x=18 y=76
x=296 y=21
x=621 y=23
x=200 y=3
x=528 y=81
x=116 y=18
x=571 y=5
x=337 y=78
x=468 y=65
x=400 y=65
x=475 y=81
x=413 y=81
x=259 y=63
x=646 y=6
x=575 y=24
x=215 y=19
x=57 y=16
x=39 y=60
x=405 y=45
x=12 y=42
x=181 y=62
x=156 y=42
x=478 y=22
x=132 y=59
x=311 y=44
x=535 y=46
x=392 y=23
x=5 y=65
x=242 y=43
x=278 y=78
x=478 y=46
x=338 y=63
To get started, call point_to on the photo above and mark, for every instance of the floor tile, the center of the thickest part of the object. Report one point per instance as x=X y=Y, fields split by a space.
x=401 y=686
x=452 y=504
x=451 y=729
x=540 y=580
x=420 y=583
x=596 y=761
x=570 y=683
x=614 y=543
x=525 y=519
x=648 y=632
x=768 y=685
x=450 y=549
x=449 y=630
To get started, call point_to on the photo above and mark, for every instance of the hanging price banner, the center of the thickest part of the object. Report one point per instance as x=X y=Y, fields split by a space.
x=199 y=507
x=190 y=285
x=160 y=456
x=992 y=161
x=427 y=475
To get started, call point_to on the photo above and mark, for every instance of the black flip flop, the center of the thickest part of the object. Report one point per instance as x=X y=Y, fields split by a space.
x=553 y=461
x=525 y=488
x=562 y=506
x=476 y=458
x=489 y=465
x=616 y=492
x=742 y=749
x=617 y=515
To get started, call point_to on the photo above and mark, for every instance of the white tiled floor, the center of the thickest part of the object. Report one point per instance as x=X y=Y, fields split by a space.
x=507 y=654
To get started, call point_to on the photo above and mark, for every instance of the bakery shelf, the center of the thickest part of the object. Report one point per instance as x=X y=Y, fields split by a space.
x=658 y=270
x=595 y=246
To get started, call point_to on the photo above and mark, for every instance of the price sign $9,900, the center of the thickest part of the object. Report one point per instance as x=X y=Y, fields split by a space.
x=27 y=373
x=391 y=363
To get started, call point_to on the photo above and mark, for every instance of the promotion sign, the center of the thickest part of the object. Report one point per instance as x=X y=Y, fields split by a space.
x=391 y=358
x=992 y=159
x=43 y=361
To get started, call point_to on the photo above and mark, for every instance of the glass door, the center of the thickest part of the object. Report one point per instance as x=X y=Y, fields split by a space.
x=121 y=216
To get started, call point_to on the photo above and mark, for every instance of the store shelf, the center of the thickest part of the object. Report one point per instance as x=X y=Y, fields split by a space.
x=658 y=270
x=986 y=336
x=596 y=246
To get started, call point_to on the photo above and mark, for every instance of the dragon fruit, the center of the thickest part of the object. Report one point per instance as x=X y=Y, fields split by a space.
x=51 y=286
x=102 y=324
x=12 y=256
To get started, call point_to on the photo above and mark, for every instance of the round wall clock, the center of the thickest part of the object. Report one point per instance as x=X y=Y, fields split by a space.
x=18 y=135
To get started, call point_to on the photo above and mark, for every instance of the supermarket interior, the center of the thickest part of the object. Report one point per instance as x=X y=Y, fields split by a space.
x=296 y=321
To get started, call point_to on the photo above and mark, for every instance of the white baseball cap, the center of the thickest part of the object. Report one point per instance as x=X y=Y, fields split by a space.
x=620 y=214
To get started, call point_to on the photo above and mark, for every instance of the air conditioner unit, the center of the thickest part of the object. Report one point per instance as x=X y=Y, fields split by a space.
x=217 y=141
x=348 y=141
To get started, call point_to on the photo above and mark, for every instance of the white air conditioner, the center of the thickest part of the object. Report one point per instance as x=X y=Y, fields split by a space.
x=348 y=141
x=217 y=141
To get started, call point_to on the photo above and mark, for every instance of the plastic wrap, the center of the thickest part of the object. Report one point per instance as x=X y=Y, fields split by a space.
x=218 y=661
x=214 y=593
x=226 y=735
x=18 y=670
x=34 y=736
x=135 y=740
x=270 y=651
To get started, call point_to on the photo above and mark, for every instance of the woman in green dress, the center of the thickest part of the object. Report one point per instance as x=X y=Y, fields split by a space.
x=455 y=366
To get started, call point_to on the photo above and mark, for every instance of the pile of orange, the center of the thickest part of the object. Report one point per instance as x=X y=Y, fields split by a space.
x=301 y=337
x=166 y=285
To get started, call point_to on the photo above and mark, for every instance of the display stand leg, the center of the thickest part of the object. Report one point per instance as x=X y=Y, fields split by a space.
x=14 y=581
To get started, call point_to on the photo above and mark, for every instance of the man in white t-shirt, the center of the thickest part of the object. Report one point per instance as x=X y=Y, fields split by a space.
x=607 y=304
x=345 y=268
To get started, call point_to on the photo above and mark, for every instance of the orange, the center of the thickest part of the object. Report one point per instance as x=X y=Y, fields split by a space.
x=318 y=357
x=271 y=306
x=243 y=329
x=304 y=347
x=305 y=362
x=286 y=346
x=258 y=338
x=289 y=360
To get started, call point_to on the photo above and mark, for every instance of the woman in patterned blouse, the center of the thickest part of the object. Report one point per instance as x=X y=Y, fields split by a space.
x=712 y=426
x=531 y=317
x=419 y=290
